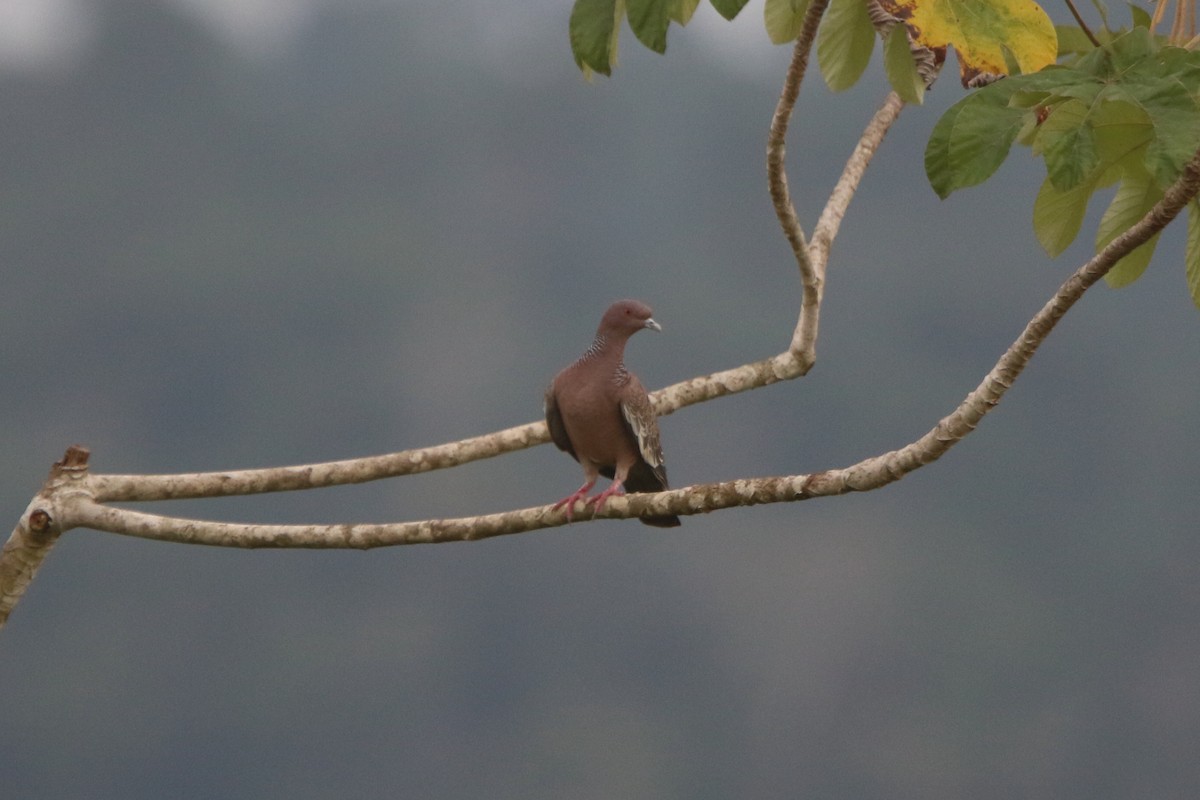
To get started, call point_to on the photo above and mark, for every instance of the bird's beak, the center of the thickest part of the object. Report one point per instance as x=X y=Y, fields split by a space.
x=652 y=325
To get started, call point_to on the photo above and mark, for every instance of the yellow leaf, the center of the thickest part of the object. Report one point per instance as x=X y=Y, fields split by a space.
x=979 y=31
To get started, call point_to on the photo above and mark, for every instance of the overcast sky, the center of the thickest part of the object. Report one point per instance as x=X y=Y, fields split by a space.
x=44 y=33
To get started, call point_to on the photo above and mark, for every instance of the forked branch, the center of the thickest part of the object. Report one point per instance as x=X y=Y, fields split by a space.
x=73 y=498
x=872 y=473
x=793 y=362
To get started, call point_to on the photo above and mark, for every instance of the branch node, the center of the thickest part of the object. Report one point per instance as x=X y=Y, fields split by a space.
x=39 y=521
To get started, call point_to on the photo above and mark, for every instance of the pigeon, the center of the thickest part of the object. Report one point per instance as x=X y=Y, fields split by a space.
x=599 y=413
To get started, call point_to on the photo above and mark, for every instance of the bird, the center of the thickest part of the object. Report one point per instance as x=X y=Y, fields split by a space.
x=599 y=413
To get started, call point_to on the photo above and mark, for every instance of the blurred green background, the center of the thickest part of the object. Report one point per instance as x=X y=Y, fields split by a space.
x=250 y=234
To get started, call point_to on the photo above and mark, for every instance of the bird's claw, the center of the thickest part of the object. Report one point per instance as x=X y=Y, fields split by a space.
x=569 y=501
x=598 y=500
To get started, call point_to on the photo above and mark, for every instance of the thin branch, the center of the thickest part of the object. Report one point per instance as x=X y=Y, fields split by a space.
x=86 y=513
x=110 y=488
x=874 y=472
x=1159 y=7
x=1083 y=25
x=813 y=259
x=777 y=182
x=804 y=338
x=793 y=363
x=852 y=174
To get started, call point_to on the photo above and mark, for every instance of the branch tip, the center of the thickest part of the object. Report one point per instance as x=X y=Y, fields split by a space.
x=74 y=462
x=76 y=457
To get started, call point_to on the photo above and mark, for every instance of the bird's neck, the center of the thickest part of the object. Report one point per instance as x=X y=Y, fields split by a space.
x=606 y=350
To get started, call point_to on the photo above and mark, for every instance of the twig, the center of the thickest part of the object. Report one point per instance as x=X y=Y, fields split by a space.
x=110 y=488
x=803 y=345
x=805 y=335
x=1082 y=25
x=843 y=192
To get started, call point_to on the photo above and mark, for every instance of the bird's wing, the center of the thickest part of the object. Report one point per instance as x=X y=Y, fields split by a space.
x=554 y=421
x=643 y=425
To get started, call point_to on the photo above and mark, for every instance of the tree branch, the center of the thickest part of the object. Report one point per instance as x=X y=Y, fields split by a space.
x=792 y=363
x=843 y=192
x=72 y=498
x=81 y=507
x=111 y=488
x=805 y=336
x=37 y=530
x=27 y=547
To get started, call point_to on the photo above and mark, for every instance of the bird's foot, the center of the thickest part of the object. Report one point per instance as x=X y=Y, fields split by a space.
x=569 y=500
x=598 y=500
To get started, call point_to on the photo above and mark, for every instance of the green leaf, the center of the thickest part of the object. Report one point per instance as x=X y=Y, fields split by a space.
x=1176 y=119
x=1141 y=17
x=1127 y=112
x=1012 y=66
x=1122 y=131
x=1072 y=40
x=1053 y=80
x=1058 y=215
x=593 y=33
x=682 y=10
x=1131 y=47
x=1068 y=144
x=728 y=8
x=972 y=139
x=649 y=20
x=900 y=68
x=1163 y=83
x=938 y=170
x=1136 y=195
x=1192 y=253
x=784 y=19
x=845 y=42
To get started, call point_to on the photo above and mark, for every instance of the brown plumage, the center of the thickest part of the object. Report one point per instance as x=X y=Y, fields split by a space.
x=598 y=412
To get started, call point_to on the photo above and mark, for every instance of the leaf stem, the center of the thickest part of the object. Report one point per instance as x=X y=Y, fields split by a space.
x=1082 y=25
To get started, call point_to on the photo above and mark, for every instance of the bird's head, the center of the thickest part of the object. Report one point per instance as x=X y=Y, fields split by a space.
x=627 y=317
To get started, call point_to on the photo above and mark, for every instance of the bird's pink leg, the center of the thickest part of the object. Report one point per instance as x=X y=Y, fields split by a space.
x=617 y=487
x=569 y=500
